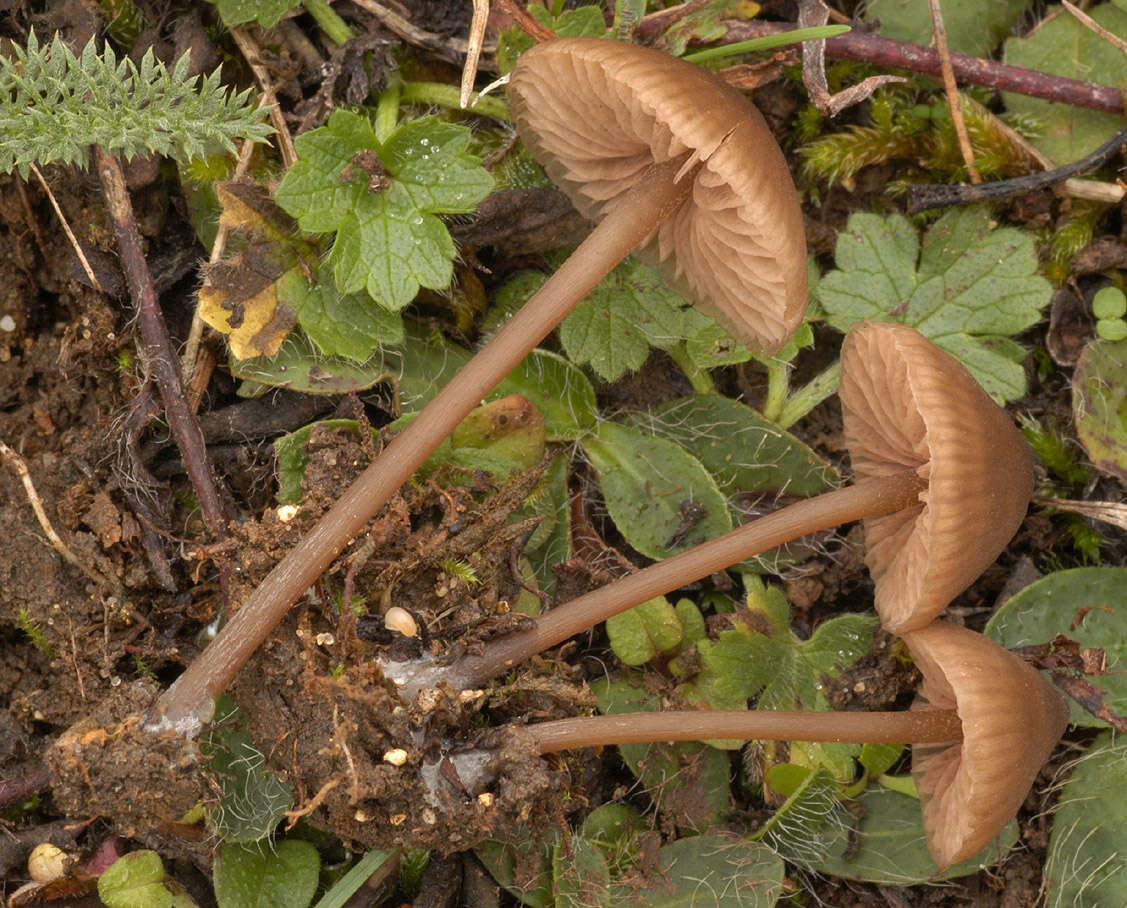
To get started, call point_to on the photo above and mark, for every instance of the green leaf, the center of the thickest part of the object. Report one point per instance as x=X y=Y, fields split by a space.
x=688 y=781
x=138 y=880
x=521 y=865
x=716 y=870
x=560 y=391
x=972 y=27
x=382 y=201
x=281 y=876
x=1086 y=605
x=645 y=631
x=1087 y=865
x=357 y=876
x=1099 y=405
x=803 y=827
x=889 y=846
x=1062 y=46
x=740 y=449
x=253 y=800
x=975 y=284
x=659 y=496
x=266 y=13
x=54 y=106
x=340 y=324
x=300 y=367
x=628 y=312
x=580 y=876
x=293 y=458
x=582 y=21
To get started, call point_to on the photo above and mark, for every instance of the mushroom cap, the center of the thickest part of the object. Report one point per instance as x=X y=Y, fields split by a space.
x=908 y=404
x=597 y=113
x=1012 y=719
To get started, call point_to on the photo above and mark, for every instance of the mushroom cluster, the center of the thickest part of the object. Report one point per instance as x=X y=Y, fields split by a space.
x=929 y=446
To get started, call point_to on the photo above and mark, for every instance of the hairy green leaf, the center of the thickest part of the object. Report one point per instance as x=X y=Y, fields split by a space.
x=266 y=13
x=972 y=27
x=1099 y=405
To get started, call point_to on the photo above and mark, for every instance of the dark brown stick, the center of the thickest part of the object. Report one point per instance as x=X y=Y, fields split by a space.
x=159 y=356
x=922 y=197
x=870 y=48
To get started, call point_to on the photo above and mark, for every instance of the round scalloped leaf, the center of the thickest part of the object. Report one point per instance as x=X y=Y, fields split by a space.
x=1099 y=403
x=1087 y=865
x=1086 y=605
x=283 y=875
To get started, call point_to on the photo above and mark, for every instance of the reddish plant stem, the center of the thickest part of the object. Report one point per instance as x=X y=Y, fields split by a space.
x=913 y=726
x=159 y=357
x=866 y=47
x=16 y=791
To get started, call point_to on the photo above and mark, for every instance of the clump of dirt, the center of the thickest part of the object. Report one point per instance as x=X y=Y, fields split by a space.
x=362 y=762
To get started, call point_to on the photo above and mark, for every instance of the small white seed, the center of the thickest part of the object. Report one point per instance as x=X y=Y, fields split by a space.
x=429 y=817
x=399 y=620
x=287 y=512
x=47 y=863
x=486 y=799
x=362 y=816
x=397 y=819
x=396 y=757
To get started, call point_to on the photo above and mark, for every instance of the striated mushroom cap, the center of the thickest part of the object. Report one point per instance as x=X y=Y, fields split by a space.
x=597 y=113
x=908 y=404
x=1012 y=718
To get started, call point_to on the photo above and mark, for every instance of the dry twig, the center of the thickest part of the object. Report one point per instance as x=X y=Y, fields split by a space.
x=1092 y=25
x=1110 y=512
x=75 y=245
x=473 y=49
x=453 y=50
x=939 y=30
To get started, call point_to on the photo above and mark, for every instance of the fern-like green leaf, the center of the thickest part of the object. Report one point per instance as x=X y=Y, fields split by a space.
x=54 y=105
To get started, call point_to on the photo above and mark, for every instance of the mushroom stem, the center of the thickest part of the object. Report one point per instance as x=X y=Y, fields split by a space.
x=656 y=194
x=912 y=726
x=868 y=498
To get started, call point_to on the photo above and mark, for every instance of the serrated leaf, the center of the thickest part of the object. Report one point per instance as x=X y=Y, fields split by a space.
x=889 y=846
x=974 y=285
x=660 y=497
x=282 y=876
x=382 y=198
x=55 y=105
x=1087 y=865
x=743 y=451
x=582 y=21
x=1084 y=604
x=972 y=27
x=1061 y=46
x=340 y=324
x=630 y=310
x=645 y=631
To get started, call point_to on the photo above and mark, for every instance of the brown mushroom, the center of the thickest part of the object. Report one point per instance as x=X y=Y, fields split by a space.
x=984 y=724
x=915 y=406
x=683 y=148
x=921 y=431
